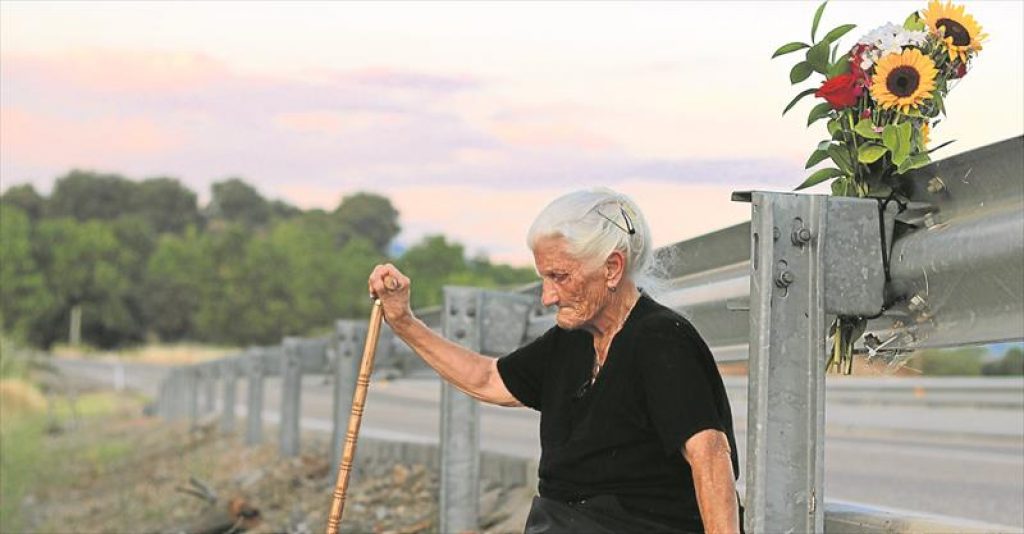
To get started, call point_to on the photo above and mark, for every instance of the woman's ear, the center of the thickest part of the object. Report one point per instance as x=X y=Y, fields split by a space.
x=615 y=268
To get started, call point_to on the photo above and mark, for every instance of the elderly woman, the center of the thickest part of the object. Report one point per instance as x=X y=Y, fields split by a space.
x=636 y=431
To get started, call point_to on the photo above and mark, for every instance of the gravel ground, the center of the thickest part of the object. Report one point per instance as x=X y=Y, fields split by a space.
x=127 y=473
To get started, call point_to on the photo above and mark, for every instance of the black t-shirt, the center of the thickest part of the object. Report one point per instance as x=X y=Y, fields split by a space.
x=624 y=434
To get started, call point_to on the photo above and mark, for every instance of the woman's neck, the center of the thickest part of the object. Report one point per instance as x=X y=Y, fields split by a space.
x=612 y=317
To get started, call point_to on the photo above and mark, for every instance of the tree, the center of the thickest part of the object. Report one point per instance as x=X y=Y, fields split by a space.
x=167 y=205
x=367 y=216
x=963 y=361
x=86 y=265
x=430 y=264
x=25 y=198
x=87 y=195
x=1011 y=363
x=173 y=286
x=24 y=298
x=236 y=201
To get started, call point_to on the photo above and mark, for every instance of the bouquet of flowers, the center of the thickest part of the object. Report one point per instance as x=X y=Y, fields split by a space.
x=882 y=98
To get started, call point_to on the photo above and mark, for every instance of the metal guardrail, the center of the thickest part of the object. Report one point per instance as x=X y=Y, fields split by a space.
x=957 y=277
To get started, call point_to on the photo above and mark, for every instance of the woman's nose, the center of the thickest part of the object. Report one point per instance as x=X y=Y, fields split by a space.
x=548 y=295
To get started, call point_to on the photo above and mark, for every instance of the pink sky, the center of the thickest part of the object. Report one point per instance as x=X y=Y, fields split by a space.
x=469 y=116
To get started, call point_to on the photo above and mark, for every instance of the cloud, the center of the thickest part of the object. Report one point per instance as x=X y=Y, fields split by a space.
x=312 y=140
x=32 y=138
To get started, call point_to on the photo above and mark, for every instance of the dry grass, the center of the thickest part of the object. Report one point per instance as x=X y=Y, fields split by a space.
x=18 y=397
x=165 y=354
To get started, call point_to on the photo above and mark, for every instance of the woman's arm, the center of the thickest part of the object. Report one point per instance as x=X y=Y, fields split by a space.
x=711 y=464
x=472 y=373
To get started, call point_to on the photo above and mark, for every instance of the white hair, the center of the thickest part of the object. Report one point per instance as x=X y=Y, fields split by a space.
x=596 y=222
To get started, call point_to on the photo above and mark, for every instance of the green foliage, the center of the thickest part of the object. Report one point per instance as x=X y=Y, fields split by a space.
x=25 y=198
x=141 y=263
x=91 y=264
x=24 y=297
x=173 y=286
x=166 y=205
x=86 y=195
x=1011 y=363
x=367 y=216
x=234 y=200
x=434 y=262
x=964 y=361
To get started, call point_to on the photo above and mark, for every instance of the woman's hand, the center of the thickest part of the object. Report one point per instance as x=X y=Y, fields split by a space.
x=389 y=285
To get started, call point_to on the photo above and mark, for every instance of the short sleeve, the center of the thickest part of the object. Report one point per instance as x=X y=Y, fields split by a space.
x=523 y=371
x=674 y=369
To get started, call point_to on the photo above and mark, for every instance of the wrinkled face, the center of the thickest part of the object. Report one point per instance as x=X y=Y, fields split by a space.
x=578 y=293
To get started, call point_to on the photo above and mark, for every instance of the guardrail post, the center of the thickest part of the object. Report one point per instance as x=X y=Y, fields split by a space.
x=811 y=255
x=192 y=393
x=786 y=386
x=291 y=397
x=460 y=420
x=229 y=375
x=350 y=336
x=208 y=378
x=254 y=367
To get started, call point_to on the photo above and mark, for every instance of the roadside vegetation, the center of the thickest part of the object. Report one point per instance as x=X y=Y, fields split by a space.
x=968 y=361
x=110 y=262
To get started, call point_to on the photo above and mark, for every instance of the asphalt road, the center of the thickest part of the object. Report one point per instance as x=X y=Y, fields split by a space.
x=958 y=459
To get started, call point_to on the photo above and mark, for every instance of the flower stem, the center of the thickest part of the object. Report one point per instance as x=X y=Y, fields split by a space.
x=854 y=158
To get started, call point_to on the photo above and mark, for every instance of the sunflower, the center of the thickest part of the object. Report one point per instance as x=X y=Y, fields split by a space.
x=903 y=80
x=958 y=30
x=926 y=131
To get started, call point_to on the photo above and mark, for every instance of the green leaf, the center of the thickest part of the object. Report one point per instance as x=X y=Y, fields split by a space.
x=933 y=149
x=870 y=153
x=800 y=72
x=841 y=156
x=841 y=66
x=913 y=162
x=823 y=145
x=797 y=99
x=939 y=103
x=820 y=176
x=840 y=186
x=817 y=56
x=834 y=127
x=913 y=22
x=866 y=129
x=816 y=157
x=838 y=32
x=896 y=138
x=818 y=112
x=790 y=47
x=817 y=19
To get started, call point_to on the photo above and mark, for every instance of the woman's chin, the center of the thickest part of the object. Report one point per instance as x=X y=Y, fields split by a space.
x=566 y=322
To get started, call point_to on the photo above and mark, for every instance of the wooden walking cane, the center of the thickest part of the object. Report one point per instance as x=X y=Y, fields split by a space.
x=356 y=417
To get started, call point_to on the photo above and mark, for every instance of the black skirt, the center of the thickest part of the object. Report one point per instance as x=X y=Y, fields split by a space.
x=601 y=514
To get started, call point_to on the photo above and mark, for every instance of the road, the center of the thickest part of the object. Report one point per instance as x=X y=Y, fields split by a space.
x=959 y=459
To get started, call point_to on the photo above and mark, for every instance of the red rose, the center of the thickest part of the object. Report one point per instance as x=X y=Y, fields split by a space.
x=960 y=71
x=841 y=91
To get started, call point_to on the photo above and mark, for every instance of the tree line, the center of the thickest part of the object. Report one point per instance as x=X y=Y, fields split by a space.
x=141 y=261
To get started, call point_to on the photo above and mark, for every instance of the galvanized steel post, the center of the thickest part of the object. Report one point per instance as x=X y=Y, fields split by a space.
x=811 y=255
x=350 y=335
x=254 y=407
x=291 y=396
x=209 y=377
x=192 y=393
x=460 y=420
x=229 y=375
x=786 y=386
